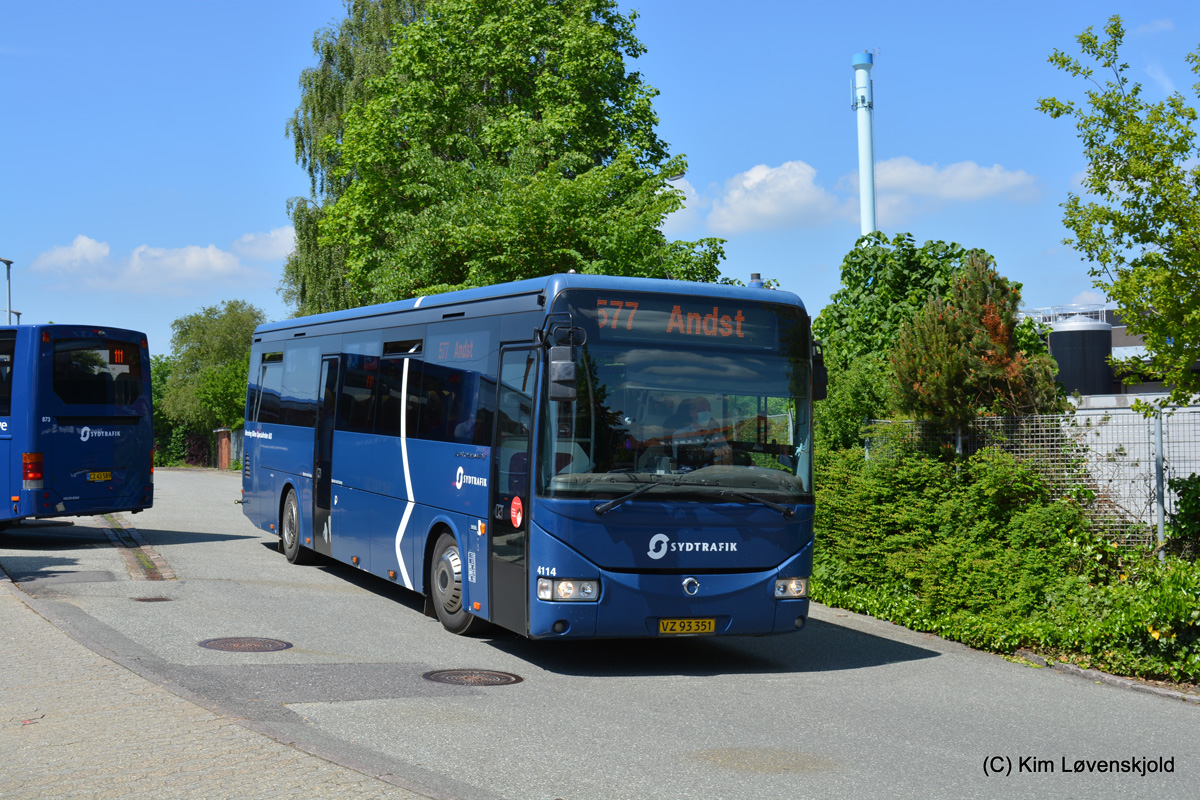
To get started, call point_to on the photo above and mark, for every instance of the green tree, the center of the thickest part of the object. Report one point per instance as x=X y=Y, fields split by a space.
x=164 y=427
x=348 y=57
x=855 y=394
x=885 y=283
x=506 y=141
x=961 y=356
x=1139 y=223
x=210 y=351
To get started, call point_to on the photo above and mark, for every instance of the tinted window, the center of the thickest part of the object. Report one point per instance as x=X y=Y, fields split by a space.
x=455 y=405
x=270 y=382
x=301 y=372
x=356 y=405
x=392 y=403
x=97 y=372
x=8 y=345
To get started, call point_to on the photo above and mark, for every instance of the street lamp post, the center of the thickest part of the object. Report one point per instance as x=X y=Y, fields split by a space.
x=8 y=283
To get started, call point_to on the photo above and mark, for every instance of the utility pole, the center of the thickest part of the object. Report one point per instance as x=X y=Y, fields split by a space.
x=8 y=282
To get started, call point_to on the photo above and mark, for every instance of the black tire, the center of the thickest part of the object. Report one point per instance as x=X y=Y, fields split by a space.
x=445 y=588
x=289 y=531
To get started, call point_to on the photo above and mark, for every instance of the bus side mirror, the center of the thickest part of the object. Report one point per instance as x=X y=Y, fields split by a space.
x=820 y=373
x=562 y=374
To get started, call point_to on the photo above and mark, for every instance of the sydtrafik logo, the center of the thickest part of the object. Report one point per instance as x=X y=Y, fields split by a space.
x=86 y=433
x=661 y=544
x=658 y=545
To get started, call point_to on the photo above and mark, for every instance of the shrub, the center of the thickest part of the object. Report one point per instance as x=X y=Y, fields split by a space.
x=978 y=550
x=1184 y=529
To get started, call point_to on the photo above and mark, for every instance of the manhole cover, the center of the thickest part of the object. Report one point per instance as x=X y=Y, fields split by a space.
x=151 y=599
x=472 y=677
x=245 y=644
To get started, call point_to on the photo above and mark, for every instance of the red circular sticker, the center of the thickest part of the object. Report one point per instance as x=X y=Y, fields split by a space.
x=516 y=512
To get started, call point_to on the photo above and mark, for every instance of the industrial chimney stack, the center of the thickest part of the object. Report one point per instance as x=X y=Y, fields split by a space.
x=863 y=107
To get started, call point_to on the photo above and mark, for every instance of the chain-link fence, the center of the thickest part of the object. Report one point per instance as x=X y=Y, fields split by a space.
x=1108 y=460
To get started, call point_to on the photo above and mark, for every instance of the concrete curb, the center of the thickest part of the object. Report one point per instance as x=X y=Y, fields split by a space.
x=1103 y=677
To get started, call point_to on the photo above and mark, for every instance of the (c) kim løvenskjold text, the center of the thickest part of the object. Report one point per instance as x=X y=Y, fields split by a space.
x=1136 y=765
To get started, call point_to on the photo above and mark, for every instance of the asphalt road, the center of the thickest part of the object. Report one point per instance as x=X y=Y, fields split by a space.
x=849 y=707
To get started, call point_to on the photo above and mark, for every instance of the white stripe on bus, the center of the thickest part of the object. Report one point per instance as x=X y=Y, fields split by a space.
x=409 y=501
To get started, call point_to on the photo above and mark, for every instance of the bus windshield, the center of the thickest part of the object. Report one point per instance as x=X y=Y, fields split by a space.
x=696 y=422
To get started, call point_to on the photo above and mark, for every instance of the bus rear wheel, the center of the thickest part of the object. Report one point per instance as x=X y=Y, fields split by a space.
x=289 y=531
x=446 y=590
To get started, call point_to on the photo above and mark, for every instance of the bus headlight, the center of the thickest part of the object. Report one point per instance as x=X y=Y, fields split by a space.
x=568 y=590
x=791 y=588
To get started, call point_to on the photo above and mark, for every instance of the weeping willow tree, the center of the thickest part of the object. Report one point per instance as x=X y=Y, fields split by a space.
x=349 y=55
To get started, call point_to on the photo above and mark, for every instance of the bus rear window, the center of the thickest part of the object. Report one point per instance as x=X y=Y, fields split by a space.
x=97 y=372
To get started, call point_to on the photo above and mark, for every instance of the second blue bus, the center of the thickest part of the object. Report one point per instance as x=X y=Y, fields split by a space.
x=76 y=422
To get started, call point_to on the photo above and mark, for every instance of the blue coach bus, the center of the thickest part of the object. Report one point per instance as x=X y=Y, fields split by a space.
x=76 y=428
x=572 y=456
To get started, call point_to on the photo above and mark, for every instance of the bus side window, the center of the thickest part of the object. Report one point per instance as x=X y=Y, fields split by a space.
x=271 y=383
x=253 y=393
x=8 y=345
x=518 y=471
x=393 y=405
x=356 y=406
x=301 y=374
x=515 y=417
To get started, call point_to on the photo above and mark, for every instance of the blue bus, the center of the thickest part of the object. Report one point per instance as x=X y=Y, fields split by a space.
x=76 y=428
x=571 y=456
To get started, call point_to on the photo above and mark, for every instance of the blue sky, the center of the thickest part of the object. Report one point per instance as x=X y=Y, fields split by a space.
x=144 y=170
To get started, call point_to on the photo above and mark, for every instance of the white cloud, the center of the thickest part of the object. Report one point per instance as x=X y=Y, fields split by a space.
x=84 y=252
x=1160 y=76
x=273 y=246
x=1154 y=26
x=85 y=265
x=176 y=270
x=964 y=180
x=905 y=188
x=1089 y=297
x=681 y=222
x=786 y=196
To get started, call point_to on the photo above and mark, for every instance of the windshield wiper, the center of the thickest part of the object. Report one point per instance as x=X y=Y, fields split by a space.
x=782 y=509
x=604 y=508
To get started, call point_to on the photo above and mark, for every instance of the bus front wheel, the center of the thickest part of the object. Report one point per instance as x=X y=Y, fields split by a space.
x=446 y=590
x=289 y=531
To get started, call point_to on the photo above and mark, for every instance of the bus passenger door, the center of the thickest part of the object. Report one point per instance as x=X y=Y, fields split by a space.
x=8 y=348
x=323 y=456
x=511 y=484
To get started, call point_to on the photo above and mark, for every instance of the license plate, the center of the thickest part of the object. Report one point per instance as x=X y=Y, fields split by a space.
x=99 y=476
x=686 y=627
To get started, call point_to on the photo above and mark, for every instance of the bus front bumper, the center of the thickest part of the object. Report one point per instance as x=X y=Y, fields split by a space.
x=671 y=605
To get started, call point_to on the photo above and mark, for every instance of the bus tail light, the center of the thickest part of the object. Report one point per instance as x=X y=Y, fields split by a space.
x=32 y=473
x=570 y=591
x=791 y=588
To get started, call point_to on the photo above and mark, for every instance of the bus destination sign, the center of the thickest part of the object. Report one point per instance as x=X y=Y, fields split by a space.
x=666 y=319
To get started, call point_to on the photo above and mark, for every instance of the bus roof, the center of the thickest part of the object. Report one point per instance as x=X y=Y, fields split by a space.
x=78 y=329
x=548 y=287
